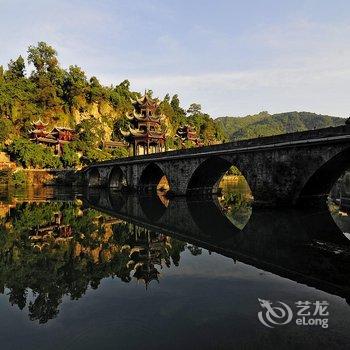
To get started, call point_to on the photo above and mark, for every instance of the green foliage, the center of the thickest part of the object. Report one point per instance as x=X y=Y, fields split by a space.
x=264 y=124
x=120 y=152
x=91 y=132
x=120 y=96
x=70 y=156
x=29 y=154
x=5 y=176
x=75 y=86
x=122 y=123
x=43 y=57
x=179 y=114
x=93 y=155
x=209 y=131
x=95 y=93
x=170 y=143
x=18 y=179
x=6 y=128
x=16 y=69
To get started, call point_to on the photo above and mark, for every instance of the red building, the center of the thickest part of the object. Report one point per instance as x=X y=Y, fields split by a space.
x=57 y=137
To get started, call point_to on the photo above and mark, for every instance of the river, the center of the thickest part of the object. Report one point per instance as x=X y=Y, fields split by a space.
x=102 y=270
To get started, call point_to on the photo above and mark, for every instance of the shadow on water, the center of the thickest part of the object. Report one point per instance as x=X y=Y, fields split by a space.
x=64 y=247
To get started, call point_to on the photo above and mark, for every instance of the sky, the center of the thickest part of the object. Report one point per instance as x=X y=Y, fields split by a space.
x=233 y=57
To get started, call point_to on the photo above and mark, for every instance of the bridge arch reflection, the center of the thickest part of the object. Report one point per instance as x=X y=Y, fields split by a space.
x=305 y=246
x=150 y=179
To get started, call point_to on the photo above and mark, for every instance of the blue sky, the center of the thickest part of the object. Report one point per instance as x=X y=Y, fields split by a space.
x=233 y=57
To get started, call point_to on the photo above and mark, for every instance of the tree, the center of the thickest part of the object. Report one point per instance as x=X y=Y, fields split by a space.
x=43 y=57
x=6 y=127
x=30 y=154
x=120 y=96
x=16 y=69
x=47 y=75
x=75 y=85
x=179 y=113
x=195 y=109
x=167 y=98
x=69 y=157
x=96 y=91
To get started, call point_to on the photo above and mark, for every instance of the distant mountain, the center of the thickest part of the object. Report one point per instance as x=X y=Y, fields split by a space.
x=265 y=124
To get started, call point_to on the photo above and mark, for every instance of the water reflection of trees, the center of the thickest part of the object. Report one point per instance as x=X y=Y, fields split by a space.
x=49 y=250
x=236 y=202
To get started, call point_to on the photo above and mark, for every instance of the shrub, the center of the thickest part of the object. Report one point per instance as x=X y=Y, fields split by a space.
x=69 y=157
x=29 y=154
x=120 y=152
x=18 y=179
x=95 y=155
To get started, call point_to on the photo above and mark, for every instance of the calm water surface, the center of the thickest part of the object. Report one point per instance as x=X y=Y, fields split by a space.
x=104 y=271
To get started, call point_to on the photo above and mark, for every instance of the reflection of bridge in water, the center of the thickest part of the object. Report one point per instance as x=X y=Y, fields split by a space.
x=307 y=247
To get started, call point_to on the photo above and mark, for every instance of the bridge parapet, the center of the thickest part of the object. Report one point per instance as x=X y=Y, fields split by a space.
x=324 y=133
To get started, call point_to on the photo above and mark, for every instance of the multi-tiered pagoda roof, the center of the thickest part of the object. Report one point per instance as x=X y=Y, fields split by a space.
x=56 y=137
x=145 y=132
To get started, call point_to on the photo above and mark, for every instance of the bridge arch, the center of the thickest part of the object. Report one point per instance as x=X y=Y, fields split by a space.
x=208 y=175
x=153 y=208
x=117 y=178
x=150 y=179
x=94 y=177
x=319 y=184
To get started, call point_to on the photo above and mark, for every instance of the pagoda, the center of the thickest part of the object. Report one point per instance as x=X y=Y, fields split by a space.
x=145 y=134
x=39 y=133
x=57 y=137
x=188 y=133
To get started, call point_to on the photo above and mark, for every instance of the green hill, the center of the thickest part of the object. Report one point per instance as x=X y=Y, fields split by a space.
x=42 y=90
x=264 y=124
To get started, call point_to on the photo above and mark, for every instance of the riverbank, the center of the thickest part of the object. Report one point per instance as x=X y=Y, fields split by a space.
x=40 y=177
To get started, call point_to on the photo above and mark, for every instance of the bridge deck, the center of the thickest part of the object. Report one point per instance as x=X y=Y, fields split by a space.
x=331 y=134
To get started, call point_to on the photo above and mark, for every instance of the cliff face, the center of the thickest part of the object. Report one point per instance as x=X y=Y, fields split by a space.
x=96 y=110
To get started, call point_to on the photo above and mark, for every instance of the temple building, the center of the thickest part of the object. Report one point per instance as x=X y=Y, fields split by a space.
x=39 y=133
x=145 y=134
x=57 y=137
x=187 y=133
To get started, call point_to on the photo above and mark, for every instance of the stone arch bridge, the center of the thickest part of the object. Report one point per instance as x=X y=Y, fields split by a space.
x=284 y=170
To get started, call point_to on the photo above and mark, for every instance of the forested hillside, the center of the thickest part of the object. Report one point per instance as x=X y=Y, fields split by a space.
x=264 y=124
x=42 y=89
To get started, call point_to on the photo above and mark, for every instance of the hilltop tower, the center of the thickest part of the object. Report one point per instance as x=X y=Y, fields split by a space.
x=145 y=134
